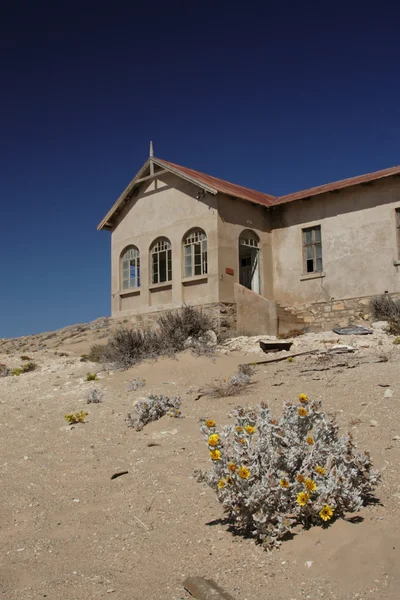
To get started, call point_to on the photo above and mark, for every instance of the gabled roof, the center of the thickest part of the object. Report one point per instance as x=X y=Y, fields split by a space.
x=211 y=184
x=224 y=187
x=337 y=185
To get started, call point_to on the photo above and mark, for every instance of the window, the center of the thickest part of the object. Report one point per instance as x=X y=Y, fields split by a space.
x=248 y=238
x=398 y=231
x=161 y=261
x=312 y=250
x=195 y=253
x=130 y=263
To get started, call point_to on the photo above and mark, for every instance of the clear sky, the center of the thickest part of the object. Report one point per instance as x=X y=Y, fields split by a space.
x=274 y=96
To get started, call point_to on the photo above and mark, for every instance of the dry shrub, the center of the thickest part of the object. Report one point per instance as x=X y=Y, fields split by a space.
x=4 y=370
x=131 y=346
x=95 y=353
x=232 y=386
x=386 y=308
x=271 y=474
x=95 y=396
x=128 y=347
x=176 y=327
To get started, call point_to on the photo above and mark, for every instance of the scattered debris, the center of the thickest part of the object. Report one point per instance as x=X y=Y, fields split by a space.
x=205 y=589
x=275 y=346
x=119 y=474
x=388 y=393
x=341 y=349
x=352 y=330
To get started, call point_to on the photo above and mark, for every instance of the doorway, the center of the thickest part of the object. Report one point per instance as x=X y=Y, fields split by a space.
x=249 y=259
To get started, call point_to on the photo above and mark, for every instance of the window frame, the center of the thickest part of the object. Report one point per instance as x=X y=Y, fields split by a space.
x=397 y=223
x=195 y=246
x=161 y=247
x=314 y=244
x=133 y=282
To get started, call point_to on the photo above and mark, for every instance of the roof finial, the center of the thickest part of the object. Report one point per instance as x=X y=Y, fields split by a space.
x=151 y=150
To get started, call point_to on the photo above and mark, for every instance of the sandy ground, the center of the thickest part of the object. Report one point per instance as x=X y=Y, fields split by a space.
x=70 y=532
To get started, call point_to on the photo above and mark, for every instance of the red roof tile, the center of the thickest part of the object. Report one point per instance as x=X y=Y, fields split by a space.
x=224 y=186
x=337 y=185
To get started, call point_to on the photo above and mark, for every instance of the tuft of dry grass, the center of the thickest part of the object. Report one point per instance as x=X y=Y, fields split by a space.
x=232 y=386
x=386 y=308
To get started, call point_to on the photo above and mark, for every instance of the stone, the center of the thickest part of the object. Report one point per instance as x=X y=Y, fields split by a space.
x=210 y=338
x=188 y=343
x=380 y=326
x=338 y=306
x=388 y=393
x=373 y=423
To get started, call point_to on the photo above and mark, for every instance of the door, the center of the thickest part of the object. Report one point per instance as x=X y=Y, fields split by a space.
x=249 y=275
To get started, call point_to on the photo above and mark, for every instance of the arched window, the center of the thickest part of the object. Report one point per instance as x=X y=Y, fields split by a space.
x=249 y=238
x=195 y=253
x=130 y=268
x=161 y=261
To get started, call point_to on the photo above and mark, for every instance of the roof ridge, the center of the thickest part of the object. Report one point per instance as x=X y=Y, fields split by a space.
x=337 y=185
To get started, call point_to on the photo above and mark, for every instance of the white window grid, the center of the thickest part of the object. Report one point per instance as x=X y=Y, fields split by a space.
x=161 y=261
x=195 y=253
x=248 y=238
x=130 y=268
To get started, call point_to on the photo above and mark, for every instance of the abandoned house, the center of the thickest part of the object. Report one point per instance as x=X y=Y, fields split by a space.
x=264 y=263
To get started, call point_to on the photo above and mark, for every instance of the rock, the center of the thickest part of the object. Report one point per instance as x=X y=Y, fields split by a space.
x=210 y=338
x=388 y=393
x=373 y=423
x=380 y=326
x=188 y=343
x=339 y=348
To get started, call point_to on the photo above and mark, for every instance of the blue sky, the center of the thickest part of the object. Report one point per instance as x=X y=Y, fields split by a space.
x=277 y=98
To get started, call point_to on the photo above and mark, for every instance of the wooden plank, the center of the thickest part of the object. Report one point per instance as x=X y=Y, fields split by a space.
x=273 y=360
x=205 y=589
x=151 y=176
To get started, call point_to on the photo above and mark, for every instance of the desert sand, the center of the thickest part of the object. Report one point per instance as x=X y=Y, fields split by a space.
x=69 y=531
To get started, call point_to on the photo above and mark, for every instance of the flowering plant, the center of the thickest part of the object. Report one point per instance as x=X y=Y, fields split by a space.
x=271 y=474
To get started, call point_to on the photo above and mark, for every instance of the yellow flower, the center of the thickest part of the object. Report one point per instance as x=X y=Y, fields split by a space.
x=302 y=412
x=310 y=485
x=320 y=470
x=232 y=467
x=210 y=423
x=303 y=498
x=310 y=440
x=250 y=430
x=244 y=473
x=215 y=455
x=242 y=441
x=326 y=512
x=213 y=440
x=303 y=398
x=239 y=429
x=300 y=478
x=221 y=484
x=284 y=483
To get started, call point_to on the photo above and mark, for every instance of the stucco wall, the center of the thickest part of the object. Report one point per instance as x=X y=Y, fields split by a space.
x=255 y=315
x=165 y=207
x=358 y=244
x=234 y=216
